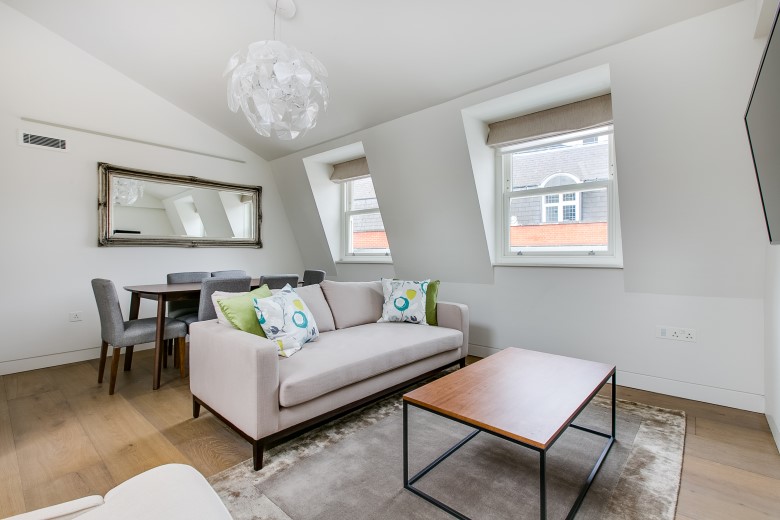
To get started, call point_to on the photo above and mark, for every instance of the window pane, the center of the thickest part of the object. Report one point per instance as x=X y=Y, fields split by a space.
x=551 y=199
x=561 y=164
x=362 y=194
x=569 y=196
x=529 y=232
x=368 y=234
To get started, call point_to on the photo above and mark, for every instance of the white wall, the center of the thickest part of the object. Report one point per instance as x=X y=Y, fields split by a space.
x=48 y=200
x=148 y=221
x=693 y=235
x=772 y=331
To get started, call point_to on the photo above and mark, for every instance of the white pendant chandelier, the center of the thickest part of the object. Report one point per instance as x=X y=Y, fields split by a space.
x=280 y=89
x=127 y=191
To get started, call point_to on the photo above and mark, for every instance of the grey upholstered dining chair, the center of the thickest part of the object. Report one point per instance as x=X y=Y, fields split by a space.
x=182 y=307
x=236 y=273
x=313 y=276
x=118 y=333
x=278 y=281
x=207 y=288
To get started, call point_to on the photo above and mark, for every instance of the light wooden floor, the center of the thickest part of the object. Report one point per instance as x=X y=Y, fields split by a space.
x=63 y=437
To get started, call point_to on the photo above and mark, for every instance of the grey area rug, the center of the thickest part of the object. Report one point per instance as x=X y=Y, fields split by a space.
x=352 y=469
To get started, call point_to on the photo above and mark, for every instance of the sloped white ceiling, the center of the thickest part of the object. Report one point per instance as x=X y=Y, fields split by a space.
x=386 y=59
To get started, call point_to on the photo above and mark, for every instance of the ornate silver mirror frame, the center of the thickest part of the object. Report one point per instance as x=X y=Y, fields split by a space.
x=230 y=214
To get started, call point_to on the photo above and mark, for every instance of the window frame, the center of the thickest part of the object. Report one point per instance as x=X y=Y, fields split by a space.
x=612 y=257
x=347 y=252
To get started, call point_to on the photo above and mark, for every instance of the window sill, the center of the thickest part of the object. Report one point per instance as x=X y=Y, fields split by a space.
x=530 y=261
x=366 y=260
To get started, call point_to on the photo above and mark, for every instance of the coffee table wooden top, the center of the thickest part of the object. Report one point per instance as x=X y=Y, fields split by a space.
x=525 y=395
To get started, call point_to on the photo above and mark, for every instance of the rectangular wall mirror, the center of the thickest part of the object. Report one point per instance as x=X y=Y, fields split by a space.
x=141 y=208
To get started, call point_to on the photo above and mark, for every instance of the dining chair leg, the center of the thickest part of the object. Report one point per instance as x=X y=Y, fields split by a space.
x=128 y=358
x=176 y=360
x=114 y=369
x=102 y=366
x=182 y=350
x=164 y=354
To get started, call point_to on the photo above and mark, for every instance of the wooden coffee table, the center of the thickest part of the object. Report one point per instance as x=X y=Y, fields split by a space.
x=526 y=397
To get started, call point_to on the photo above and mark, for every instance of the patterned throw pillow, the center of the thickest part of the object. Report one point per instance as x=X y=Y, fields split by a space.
x=286 y=320
x=404 y=300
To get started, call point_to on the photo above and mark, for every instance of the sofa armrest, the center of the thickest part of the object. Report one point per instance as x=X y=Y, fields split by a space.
x=455 y=316
x=237 y=375
x=64 y=511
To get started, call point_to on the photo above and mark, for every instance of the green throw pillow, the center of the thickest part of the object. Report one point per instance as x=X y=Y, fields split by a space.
x=431 y=296
x=240 y=310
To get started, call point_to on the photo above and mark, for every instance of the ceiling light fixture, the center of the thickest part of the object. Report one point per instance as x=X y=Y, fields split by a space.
x=127 y=191
x=280 y=89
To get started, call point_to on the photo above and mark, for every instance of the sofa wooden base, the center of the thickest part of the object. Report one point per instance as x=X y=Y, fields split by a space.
x=259 y=445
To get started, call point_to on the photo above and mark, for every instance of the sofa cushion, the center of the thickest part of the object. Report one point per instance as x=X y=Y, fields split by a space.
x=314 y=299
x=287 y=320
x=353 y=303
x=239 y=310
x=346 y=356
x=431 y=302
x=405 y=300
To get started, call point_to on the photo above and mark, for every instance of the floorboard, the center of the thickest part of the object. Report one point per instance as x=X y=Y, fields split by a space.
x=127 y=443
x=11 y=490
x=89 y=480
x=29 y=383
x=714 y=491
x=49 y=440
x=62 y=437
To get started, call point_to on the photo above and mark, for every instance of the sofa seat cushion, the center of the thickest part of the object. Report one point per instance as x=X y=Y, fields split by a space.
x=346 y=356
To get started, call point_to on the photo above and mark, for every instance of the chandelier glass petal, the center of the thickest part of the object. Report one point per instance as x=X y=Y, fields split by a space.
x=280 y=89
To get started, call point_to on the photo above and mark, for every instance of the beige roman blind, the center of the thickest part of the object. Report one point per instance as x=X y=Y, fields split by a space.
x=350 y=170
x=581 y=115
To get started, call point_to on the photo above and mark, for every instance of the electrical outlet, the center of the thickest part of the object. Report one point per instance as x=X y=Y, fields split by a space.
x=675 y=333
x=74 y=316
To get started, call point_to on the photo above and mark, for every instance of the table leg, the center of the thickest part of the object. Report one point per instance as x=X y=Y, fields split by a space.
x=129 y=357
x=158 y=341
x=406 y=445
x=614 y=388
x=542 y=485
x=135 y=304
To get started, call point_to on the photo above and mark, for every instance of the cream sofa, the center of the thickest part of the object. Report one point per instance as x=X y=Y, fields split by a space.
x=240 y=378
x=169 y=492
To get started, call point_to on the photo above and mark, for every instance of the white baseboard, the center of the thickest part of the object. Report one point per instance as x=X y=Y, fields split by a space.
x=775 y=430
x=481 y=350
x=696 y=392
x=53 y=360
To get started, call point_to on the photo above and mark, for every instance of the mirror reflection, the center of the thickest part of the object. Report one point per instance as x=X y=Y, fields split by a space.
x=156 y=209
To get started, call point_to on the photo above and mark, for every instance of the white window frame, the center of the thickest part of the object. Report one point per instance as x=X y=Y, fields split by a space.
x=347 y=253
x=612 y=257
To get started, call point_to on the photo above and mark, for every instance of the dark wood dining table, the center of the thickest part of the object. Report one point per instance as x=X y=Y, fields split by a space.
x=162 y=293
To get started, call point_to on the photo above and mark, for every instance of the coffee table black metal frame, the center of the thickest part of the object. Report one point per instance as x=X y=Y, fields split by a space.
x=409 y=482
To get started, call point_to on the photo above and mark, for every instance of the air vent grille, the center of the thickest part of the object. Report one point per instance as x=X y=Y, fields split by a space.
x=41 y=141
